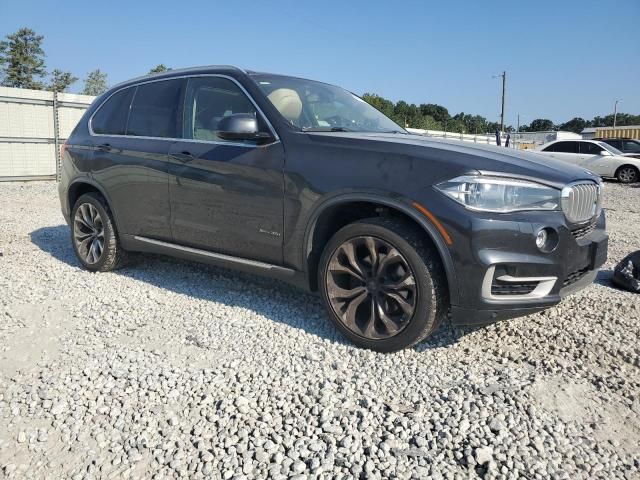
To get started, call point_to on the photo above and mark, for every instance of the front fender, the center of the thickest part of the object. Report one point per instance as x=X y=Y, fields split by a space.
x=394 y=202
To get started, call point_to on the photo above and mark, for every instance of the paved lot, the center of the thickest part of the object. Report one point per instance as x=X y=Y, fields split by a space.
x=168 y=368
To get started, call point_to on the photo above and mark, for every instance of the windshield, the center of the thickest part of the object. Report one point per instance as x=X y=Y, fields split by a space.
x=316 y=106
x=610 y=149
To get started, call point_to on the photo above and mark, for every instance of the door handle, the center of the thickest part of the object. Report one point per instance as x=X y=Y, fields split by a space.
x=182 y=157
x=105 y=147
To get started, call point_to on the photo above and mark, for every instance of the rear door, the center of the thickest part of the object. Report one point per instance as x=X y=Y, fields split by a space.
x=567 y=151
x=226 y=196
x=129 y=163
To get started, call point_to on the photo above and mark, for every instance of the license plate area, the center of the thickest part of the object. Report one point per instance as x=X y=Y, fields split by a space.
x=598 y=253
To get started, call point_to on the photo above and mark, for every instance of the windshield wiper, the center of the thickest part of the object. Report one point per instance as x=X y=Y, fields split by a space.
x=325 y=129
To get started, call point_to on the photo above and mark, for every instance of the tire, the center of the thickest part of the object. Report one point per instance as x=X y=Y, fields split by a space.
x=627 y=174
x=341 y=288
x=92 y=225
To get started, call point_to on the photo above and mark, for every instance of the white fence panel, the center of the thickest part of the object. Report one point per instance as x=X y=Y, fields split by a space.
x=28 y=135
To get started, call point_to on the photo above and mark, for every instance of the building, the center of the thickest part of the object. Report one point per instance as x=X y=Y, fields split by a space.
x=625 y=131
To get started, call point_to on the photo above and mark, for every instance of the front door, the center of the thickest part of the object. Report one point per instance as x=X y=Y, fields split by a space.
x=595 y=158
x=226 y=196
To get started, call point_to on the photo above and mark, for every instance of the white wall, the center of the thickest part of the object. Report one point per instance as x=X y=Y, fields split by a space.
x=27 y=145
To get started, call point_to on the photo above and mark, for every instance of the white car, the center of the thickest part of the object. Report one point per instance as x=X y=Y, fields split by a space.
x=595 y=156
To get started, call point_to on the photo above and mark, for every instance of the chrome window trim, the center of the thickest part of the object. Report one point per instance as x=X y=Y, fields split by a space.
x=214 y=142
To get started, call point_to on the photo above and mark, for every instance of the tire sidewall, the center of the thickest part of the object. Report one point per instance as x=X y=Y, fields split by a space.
x=424 y=317
x=109 y=233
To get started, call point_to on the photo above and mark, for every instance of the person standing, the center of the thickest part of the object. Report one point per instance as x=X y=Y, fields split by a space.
x=506 y=143
x=498 y=138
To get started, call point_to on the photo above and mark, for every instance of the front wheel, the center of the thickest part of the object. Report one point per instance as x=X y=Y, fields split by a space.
x=627 y=174
x=383 y=284
x=94 y=235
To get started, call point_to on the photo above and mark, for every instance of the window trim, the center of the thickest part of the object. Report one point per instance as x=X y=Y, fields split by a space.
x=216 y=142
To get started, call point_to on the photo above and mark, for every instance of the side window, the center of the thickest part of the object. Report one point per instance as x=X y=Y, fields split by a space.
x=615 y=143
x=550 y=148
x=155 y=109
x=111 y=117
x=631 y=146
x=208 y=100
x=588 y=148
x=566 y=147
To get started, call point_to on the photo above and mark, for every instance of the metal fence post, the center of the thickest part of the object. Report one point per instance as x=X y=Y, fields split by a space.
x=56 y=135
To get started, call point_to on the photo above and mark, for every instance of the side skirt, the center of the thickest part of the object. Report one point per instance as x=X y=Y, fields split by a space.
x=149 y=245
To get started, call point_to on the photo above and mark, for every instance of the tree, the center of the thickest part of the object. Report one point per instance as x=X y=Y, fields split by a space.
x=541 y=125
x=382 y=104
x=96 y=83
x=575 y=125
x=60 y=80
x=438 y=112
x=159 y=69
x=22 y=60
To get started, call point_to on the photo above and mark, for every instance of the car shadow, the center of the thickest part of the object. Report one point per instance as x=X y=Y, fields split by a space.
x=273 y=299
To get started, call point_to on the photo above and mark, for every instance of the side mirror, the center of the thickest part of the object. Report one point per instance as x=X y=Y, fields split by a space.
x=241 y=126
x=606 y=153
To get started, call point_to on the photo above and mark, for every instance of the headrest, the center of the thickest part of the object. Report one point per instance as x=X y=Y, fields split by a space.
x=287 y=102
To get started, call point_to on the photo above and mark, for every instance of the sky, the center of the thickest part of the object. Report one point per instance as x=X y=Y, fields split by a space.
x=563 y=58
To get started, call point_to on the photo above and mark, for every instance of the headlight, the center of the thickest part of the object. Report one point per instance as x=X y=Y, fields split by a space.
x=502 y=195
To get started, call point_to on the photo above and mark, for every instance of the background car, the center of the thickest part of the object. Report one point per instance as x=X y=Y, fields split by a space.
x=597 y=157
x=629 y=147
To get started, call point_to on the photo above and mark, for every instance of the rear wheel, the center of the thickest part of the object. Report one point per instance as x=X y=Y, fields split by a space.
x=382 y=284
x=627 y=174
x=95 y=240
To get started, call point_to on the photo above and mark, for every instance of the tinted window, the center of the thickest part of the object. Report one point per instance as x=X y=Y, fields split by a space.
x=154 y=111
x=615 y=143
x=111 y=117
x=631 y=146
x=566 y=147
x=588 y=148
x=209 y=100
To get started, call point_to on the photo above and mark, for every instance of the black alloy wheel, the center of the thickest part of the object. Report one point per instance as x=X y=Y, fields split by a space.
x=93 y=231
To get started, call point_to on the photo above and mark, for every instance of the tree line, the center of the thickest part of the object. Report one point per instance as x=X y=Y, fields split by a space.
x=22 y=65
x=430 y=116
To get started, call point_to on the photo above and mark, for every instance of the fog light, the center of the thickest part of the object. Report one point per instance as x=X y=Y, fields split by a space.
x=541 y=238
x=547 y=239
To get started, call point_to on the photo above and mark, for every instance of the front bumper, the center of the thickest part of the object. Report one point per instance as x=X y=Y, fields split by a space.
x=504 y=275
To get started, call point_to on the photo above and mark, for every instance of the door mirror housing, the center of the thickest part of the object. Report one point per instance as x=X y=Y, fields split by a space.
x=606 y=153
x=242 y=126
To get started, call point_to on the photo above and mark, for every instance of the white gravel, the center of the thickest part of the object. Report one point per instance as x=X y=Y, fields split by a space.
x=174 y=369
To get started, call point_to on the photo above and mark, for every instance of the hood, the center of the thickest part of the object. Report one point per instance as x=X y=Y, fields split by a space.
x=467 y=155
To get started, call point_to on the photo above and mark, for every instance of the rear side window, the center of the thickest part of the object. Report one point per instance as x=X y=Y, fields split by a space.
x=111 y=117
x=588 y=148
x=565 y=147
x=630 y=146
x=615 y=143
x=155 y=109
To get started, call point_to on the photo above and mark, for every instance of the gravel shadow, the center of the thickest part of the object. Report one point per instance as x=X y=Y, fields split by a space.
x=265 y=296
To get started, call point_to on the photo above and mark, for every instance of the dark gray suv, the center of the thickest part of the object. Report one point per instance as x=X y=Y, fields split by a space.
x=305 y=182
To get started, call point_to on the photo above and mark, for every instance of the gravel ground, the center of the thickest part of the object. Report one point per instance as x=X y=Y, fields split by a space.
x=174 y=369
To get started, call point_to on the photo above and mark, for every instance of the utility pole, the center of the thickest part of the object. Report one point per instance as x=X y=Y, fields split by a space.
x=615 y=111
x=504 y=82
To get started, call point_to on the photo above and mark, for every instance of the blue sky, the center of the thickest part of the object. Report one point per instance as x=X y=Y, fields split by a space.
x=563 y=58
